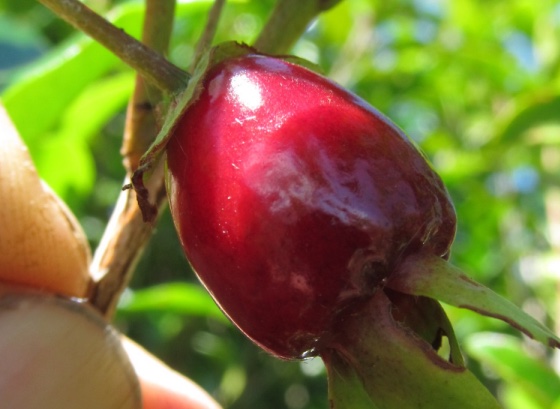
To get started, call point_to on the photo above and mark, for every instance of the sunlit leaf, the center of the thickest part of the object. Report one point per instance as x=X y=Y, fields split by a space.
x=81 y=121
x=540 y=113
x=515 y=397
x=37 y=100
x=180 y=298
x=96 y=105
x=506 y=356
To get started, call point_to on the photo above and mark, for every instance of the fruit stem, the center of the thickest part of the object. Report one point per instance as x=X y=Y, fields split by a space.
x=148 y=63
x=288 y=21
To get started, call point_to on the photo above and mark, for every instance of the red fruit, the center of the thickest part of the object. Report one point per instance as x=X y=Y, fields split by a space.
x=294 y=198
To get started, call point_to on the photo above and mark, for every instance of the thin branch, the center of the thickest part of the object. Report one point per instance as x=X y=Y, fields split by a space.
x=148 y=63
x=126 y=234
x=122 y=244
x=287 y=23
x=207 y=37
x=142 y=124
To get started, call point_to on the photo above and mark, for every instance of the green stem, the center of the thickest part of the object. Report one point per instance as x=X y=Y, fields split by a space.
x=205 y=40
x=158 y=24
x=148 y=63
x=287 y=23
x=142 y=125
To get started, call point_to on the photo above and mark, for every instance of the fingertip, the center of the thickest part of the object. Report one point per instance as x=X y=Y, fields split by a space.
x=162 y=387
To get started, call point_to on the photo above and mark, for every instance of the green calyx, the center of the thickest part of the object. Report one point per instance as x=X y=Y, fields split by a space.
x=376 y=361
x=386 y=352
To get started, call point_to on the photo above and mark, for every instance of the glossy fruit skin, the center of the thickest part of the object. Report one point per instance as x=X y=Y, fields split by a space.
x=293 y=198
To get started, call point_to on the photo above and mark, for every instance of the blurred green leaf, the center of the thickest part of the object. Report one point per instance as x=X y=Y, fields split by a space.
x=60 y=102
x=508 y=359
x=37 y=99
x=515 y=397
x=96 y=105
x=539 y=113
x=180 y=298
x=63 y=99
x=81 y=120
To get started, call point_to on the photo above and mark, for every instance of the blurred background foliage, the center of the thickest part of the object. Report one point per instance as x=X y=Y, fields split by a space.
x=476 y=84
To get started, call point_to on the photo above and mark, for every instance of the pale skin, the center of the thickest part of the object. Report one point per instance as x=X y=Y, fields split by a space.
x=163 y=388
x=58 y=353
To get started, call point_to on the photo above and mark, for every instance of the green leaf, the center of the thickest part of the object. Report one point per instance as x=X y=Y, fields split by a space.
x=539 y=113
x=67 y=95
x=180 y=298
x=72 y=175
x=506 y=356
x=518 y=398
x=433 y=277
x=38 y=99
x=63 y=100
x=96 y=105
x=83 y=119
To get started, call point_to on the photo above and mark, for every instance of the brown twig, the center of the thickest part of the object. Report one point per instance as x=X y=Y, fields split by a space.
x=126 y=234
x=124 y=239
x=148 y=63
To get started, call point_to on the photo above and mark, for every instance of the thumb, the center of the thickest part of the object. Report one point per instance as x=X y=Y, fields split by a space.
x=60 y=354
